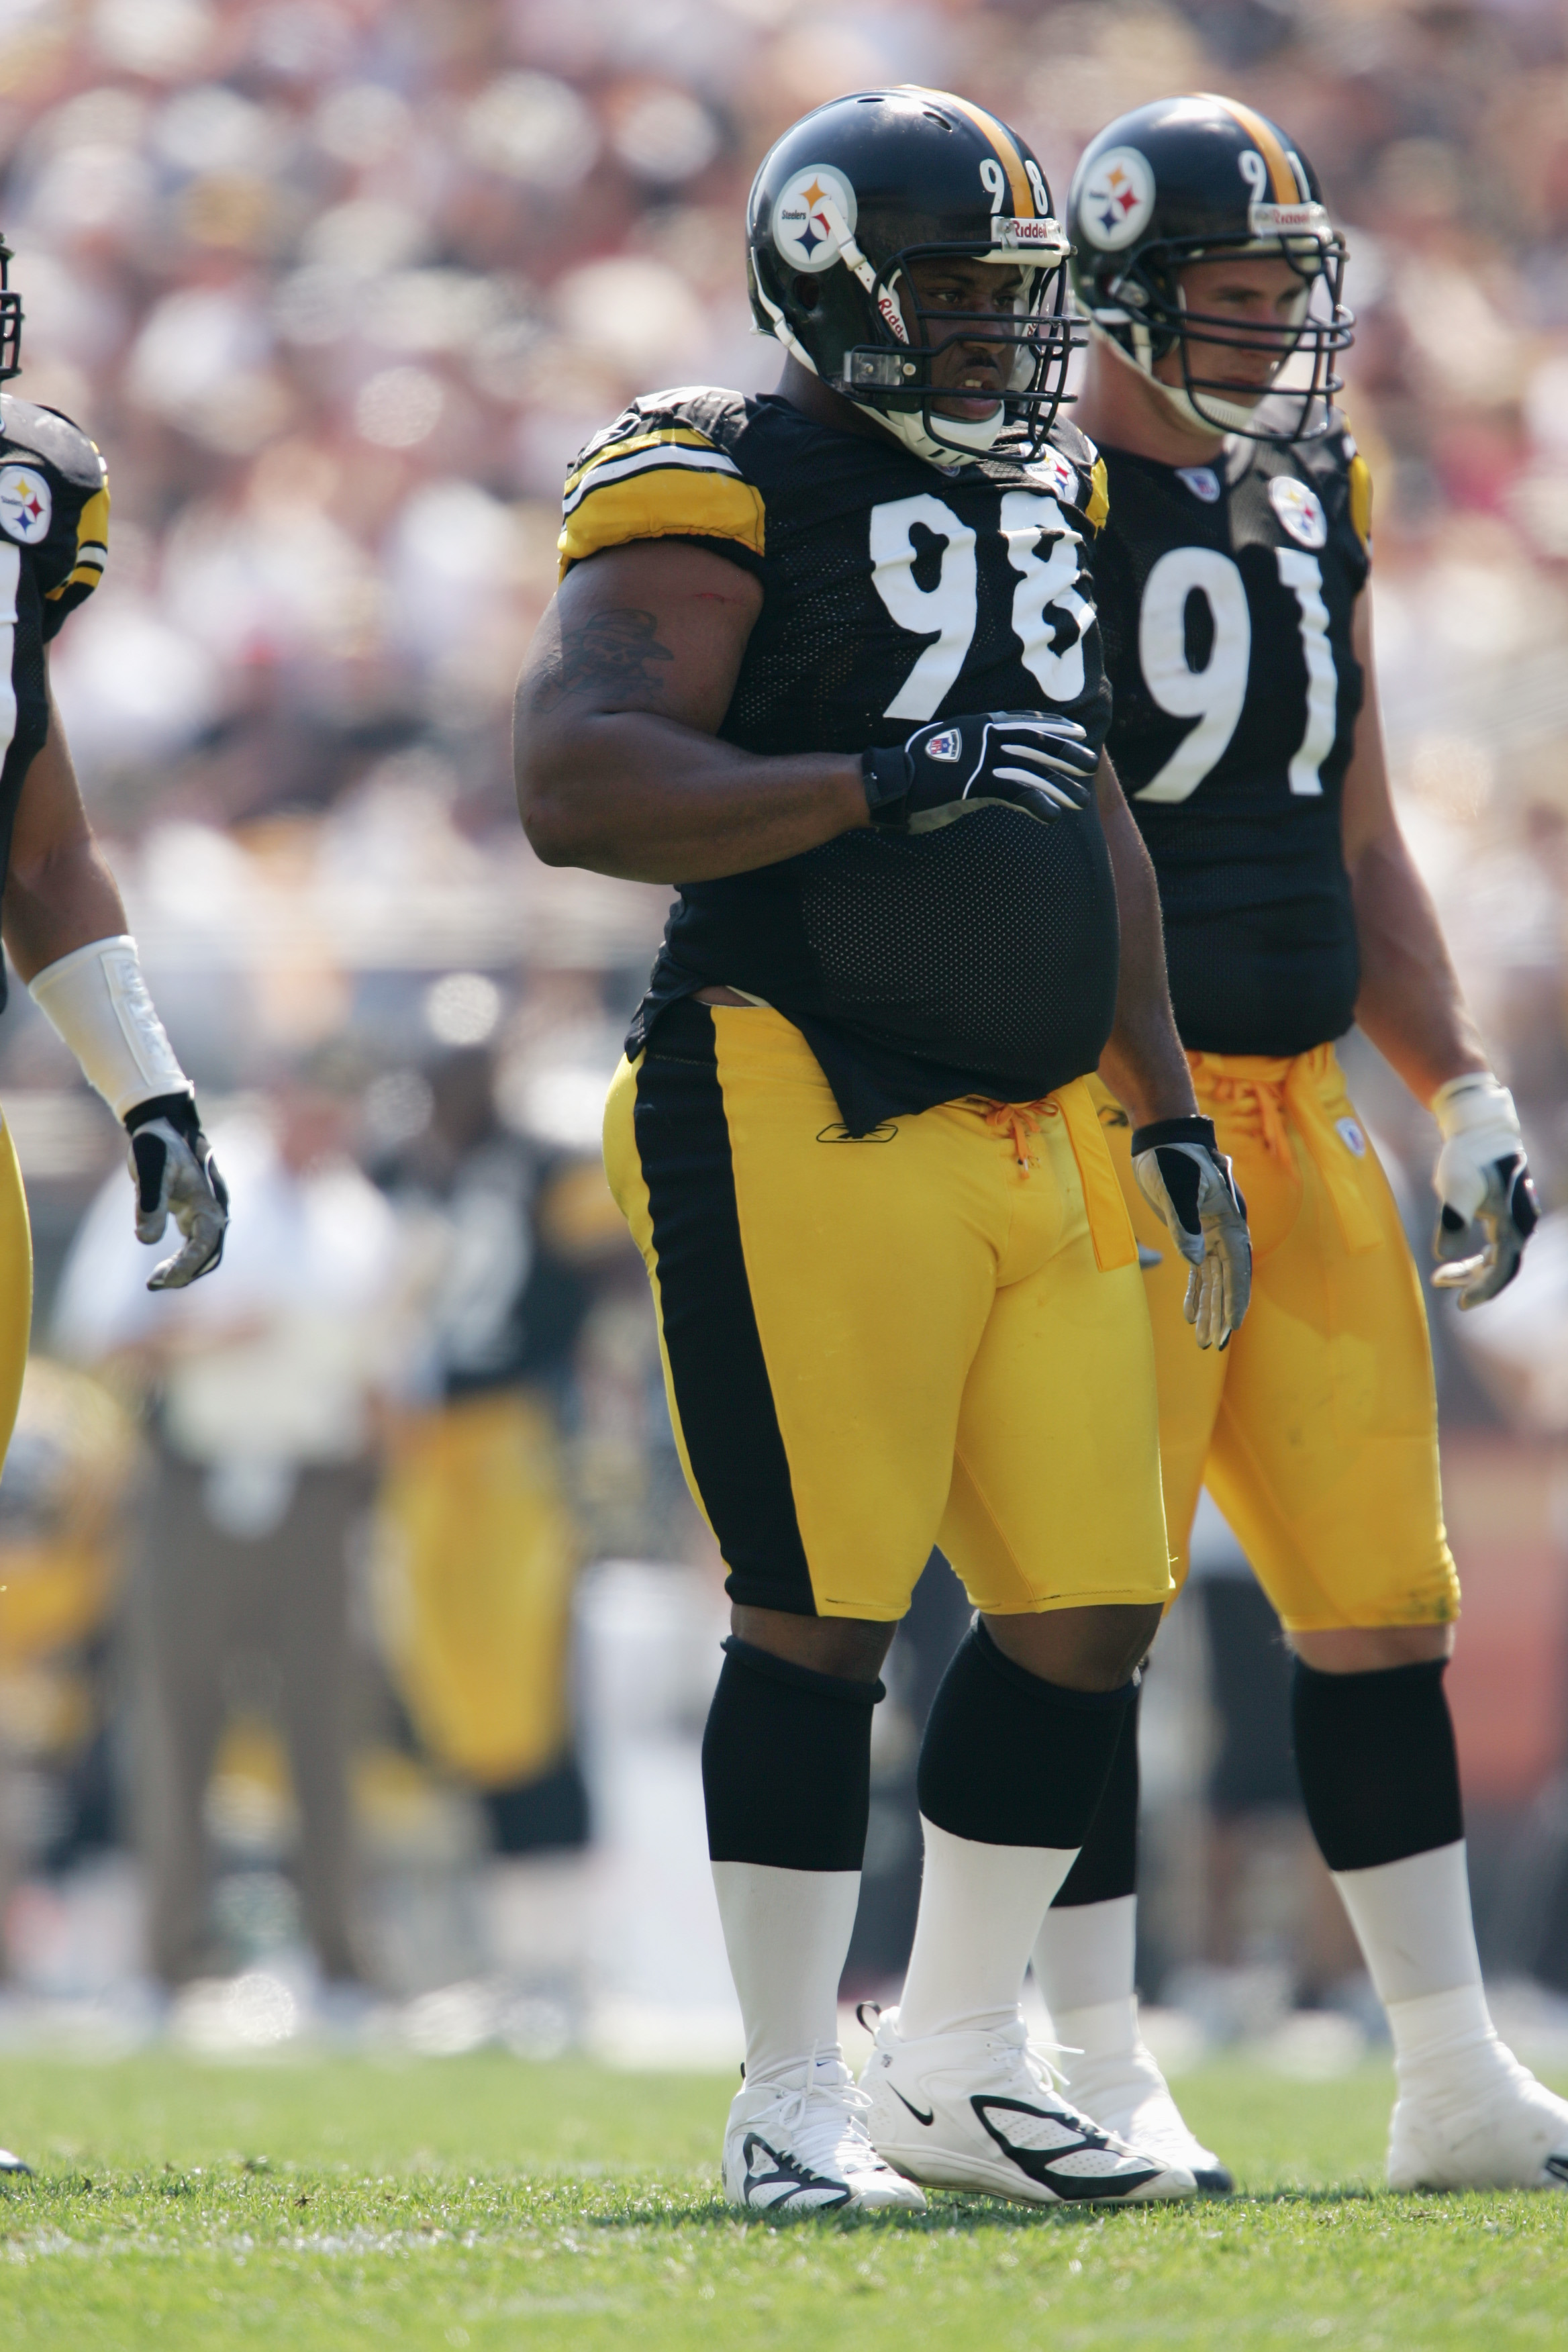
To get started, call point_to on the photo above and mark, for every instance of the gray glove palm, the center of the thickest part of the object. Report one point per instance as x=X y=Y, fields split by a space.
x=176 y=1176
x=1183 y=1172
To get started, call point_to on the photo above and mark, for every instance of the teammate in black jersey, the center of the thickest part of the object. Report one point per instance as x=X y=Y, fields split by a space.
x=1231 y=579
x=829 y=659
x=60 y=912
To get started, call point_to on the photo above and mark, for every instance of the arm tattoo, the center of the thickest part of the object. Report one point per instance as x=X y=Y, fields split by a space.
x=606 y=654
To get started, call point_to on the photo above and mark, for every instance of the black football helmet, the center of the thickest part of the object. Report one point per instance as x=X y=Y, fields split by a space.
x=1189 y=179
x=855 y=192
x=10 y=319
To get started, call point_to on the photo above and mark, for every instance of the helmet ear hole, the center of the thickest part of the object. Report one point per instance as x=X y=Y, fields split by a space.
x=805 y=292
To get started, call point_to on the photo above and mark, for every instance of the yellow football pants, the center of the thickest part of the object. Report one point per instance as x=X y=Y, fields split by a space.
x=936 y=1334
x=481 y=1558
x=1316 y=1431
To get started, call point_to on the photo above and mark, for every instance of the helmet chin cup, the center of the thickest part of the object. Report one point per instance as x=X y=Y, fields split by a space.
x=966 y=439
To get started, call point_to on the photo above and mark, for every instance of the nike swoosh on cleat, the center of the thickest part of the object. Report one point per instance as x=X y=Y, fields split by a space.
x=927 y=2118
x=1557 y=2166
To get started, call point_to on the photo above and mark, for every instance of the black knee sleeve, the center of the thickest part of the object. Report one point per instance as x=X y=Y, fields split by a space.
x=1011 y=1759
x=1375 y=1752
x=786 y=1763
x=1107 y=1867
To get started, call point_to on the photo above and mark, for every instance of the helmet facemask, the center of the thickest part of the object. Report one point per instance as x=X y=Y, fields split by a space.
x=892 y=342
x=10 y=320
x=1145 y=314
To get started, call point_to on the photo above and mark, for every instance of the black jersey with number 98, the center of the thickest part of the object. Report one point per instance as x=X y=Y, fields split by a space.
x=979 y=958
x=1226 y=597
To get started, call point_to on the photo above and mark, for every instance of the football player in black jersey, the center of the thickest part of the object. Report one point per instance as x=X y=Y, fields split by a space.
x=60 y=912
x=1231 y=579
x=828 y=660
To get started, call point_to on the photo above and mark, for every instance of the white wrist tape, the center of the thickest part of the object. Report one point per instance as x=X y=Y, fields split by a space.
x=97 y=1000
x=1479 y=1126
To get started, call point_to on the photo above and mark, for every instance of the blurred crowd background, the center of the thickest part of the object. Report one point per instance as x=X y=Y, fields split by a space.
x=355 y=1630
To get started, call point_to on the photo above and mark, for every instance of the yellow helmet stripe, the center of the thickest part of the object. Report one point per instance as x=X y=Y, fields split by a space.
x=1001 y=140
x=1266 y=139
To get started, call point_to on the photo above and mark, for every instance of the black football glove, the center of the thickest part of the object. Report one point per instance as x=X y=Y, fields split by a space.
x=1482 y=1181
x=1017 y=759
x=176 y=1176
x=1182 y=1170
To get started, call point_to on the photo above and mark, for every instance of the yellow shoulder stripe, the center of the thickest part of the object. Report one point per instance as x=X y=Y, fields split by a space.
x=682 y=437
x=1266 y=140
x=1360 y=500
x=1098 y=505
x=91 y=547
x=667 y=502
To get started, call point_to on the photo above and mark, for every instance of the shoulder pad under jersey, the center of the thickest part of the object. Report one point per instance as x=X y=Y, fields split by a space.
x=1074 y=469
x=1335 y=454
x=664 y=469
x=53 y=500
x=54 y=438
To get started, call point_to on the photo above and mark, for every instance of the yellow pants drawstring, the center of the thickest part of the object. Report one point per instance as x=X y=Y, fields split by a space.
x=1021 y=1121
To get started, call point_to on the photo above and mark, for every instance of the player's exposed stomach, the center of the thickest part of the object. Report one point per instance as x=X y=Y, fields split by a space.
x=989 y=945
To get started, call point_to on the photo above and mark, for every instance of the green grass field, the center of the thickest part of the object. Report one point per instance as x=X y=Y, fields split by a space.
x=484 y=2203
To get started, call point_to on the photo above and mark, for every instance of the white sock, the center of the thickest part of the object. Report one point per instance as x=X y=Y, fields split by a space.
x=1083 y=1955
x=1412 y=1920
x=980 y=1908
x=787 y=1935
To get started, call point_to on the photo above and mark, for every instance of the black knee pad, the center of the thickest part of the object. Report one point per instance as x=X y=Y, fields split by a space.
x=1011 y=1759
x=786 y=1763
x=1379 y=1777
x=1107 y=1867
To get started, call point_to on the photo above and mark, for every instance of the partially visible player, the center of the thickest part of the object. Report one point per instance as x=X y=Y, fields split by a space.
x=1231 y=577
x=828 y=660
x=60 y=915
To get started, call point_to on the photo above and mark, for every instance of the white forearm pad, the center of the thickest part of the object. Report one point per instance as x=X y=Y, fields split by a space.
x=97 y=1000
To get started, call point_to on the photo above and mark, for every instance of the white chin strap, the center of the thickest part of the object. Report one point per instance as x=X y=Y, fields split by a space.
x=971 y=438
x=1216 y=416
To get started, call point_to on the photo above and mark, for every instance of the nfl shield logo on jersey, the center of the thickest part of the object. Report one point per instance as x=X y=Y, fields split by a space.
x=26 y=507
x=1202 y=481
x=1298 y=509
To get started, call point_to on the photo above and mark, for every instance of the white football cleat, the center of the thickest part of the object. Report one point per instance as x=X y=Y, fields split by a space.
x=800 y=2146
x=1128 y=2096
x=13 y=2164
x=1514 y=2136
x=983 y=2111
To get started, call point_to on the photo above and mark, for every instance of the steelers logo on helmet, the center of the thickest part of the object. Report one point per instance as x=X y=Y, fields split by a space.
x=26 y=507
x=803 y=230
x=1299 y=510
x=1118 y=197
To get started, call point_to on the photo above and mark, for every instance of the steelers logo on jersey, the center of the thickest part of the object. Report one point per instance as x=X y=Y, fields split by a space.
x=1119 y=198
x=1299 y=510
x=802 y=230
x=1052 y=472
x=26 y=507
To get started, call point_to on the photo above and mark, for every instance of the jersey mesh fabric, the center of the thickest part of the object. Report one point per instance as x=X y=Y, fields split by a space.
x=1260 y=928
x=979 y=958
